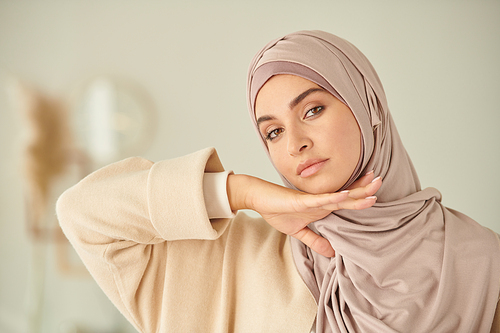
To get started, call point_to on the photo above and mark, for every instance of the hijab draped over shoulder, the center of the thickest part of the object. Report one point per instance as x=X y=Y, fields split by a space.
x=408 y=263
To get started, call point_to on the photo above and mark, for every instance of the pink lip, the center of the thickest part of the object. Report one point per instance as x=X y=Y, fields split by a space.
x=310 y=167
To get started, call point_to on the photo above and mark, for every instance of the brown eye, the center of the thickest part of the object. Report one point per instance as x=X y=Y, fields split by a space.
x=314 y=111
x=274 y=133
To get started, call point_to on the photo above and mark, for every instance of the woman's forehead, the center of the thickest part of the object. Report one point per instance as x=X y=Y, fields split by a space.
x=265 y=72
x=284 y=90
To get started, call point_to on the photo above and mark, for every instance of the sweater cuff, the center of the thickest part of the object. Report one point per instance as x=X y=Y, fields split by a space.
x=215 y=194
x=175 y=197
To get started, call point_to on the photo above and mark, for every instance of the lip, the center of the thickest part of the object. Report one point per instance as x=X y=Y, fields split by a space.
x=310 y=167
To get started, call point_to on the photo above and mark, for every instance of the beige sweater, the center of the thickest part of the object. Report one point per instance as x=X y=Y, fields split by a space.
x=142 y=230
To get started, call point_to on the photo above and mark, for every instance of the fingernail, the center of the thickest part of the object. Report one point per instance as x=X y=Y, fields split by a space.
x=369 y=172
x=345 y=191
x=372 y=197
x=375 y=179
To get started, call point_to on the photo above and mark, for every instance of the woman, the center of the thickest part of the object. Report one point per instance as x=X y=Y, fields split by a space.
x=169 y=253
x=407 y=263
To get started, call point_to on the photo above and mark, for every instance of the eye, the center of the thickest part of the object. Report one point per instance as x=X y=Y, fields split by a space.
x=314 y=111
x=271 y=135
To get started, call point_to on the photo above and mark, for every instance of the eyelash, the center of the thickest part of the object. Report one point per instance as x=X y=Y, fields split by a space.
x=268 y=135
x=317 y=109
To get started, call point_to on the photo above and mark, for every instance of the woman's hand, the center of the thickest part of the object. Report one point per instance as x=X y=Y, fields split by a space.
x=290 y=211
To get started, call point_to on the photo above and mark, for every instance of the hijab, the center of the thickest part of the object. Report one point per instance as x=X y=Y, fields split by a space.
x=408 y=263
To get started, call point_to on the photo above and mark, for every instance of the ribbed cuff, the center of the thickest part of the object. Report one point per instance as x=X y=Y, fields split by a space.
x=215 y=194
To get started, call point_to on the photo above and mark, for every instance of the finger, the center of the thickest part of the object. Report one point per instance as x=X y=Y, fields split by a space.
x=315 y=242
x=357 y=204
x=353 y=204
x=362 y=181
x=367 y=190
x=320 y=200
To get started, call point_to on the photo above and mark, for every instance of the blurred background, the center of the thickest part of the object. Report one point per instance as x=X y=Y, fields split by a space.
x=85 y=83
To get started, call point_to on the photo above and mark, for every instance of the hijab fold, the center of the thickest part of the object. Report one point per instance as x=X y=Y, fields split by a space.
x=408 y=263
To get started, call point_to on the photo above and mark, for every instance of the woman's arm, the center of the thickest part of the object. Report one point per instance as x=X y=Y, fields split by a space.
x=290 y=211
x=121 y=217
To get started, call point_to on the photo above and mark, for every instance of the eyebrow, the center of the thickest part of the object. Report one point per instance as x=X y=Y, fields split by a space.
x=292 y=104
x=299 y=98
x=264 y=118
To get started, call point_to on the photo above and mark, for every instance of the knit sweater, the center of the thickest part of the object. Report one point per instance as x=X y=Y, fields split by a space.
x=143 y=232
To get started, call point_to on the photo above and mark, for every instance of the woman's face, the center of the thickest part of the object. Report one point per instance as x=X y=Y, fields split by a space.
x=312 y=137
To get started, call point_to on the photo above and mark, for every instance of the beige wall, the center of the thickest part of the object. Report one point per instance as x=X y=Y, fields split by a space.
x=438 y=61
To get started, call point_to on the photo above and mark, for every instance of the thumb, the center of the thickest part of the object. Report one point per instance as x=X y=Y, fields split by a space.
x=315 y=242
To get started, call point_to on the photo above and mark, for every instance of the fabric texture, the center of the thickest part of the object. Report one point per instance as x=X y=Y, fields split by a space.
x=143 y=232
x=408 y=263
x=215 y=195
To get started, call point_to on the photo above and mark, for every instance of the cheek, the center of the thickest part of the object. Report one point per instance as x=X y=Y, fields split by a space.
x=347 y=137
x=280 y=160
x=351 y=151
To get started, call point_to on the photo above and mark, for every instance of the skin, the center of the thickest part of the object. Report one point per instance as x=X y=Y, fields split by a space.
x=305 y=126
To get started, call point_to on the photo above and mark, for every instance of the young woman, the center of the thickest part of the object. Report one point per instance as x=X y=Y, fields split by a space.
x=163 y=243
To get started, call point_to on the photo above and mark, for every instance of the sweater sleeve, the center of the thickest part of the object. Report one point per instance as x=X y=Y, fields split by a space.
x=120 y=219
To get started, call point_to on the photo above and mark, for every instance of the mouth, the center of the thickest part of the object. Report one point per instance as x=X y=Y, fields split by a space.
x=310 y=167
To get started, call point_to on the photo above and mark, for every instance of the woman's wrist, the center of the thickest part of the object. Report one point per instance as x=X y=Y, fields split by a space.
x=238 y=189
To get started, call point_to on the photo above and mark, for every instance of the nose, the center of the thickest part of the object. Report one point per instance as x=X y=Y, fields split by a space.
x=298 y=142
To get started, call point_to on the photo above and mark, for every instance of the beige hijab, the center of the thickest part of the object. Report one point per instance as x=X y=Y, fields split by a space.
x=408 y=264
